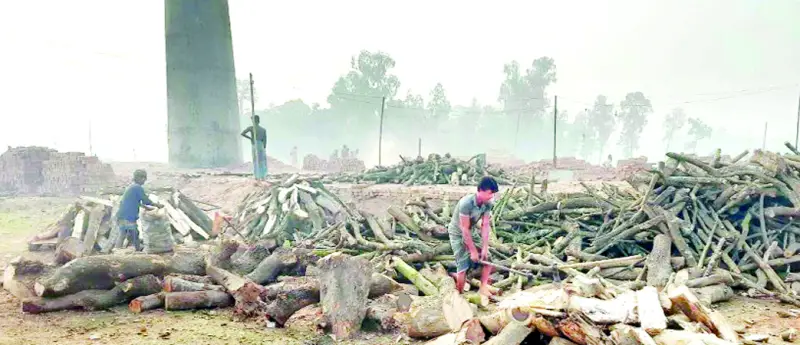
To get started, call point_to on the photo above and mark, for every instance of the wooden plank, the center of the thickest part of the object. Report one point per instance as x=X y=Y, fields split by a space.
x=77 y=229
x=196 y=228
x=93 y=228
x=174 y=218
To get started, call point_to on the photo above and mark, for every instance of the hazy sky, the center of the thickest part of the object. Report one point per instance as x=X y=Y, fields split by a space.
x=734 y=63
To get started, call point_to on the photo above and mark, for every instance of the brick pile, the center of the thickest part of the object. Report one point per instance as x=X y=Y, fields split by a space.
x=312 y=162
x=43 y=171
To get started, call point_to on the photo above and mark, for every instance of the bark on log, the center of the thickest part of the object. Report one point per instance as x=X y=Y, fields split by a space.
x=344 y=287
x=174 y=284
x=433 y=316
x=308 y=320
x=721 y=277
x=688 y=303
x=96 y=299
x=289 y=296
x=69 y=249
x=195 y=214
x=194 y=278
x=249 y=260
x=382 y=311
x=380 y=285
x=407 y=222
x=98 y=273
x=149 y=302
x=713 y=294
x=581 y=332
x=269 y=268
x=415 y=277
x=20 y=276
x=658 y=262
x=222 y=253
x=513 y=334
x=197 y=300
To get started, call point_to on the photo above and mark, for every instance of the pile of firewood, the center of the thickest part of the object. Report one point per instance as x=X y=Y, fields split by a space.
x=436 y=169
x=87 y=226
x=606 y=266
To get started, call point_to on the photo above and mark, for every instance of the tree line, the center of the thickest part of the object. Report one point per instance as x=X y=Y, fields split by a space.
x=520 y=123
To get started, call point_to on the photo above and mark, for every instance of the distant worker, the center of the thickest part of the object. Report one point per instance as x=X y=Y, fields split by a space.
x=293 y=154
x=258 y=151
x=128 y=212
x=607 y=164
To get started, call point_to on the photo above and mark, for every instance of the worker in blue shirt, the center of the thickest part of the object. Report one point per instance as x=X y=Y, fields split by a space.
x=128 y=212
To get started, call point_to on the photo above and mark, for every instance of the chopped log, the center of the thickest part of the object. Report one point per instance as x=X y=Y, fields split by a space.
x=720 y=277
x=289 y=296
x=194 y=278
x=308 y=320
x=69 y=249
x=96 y=299
x=672 y=337
x=194 y=213
x=197 y=300
x=403 y=218
x=478 y=299
x=651 y=316
x=269 y=268
x=174 y=284
x=627 y=335
x=608 y=263
x=688 y=303
x=246 y=294
x=96 y=215
x=470 y=333
x=99 y=273
x=580 y=331
x=658 y=262
x=249 y=260
x=618 y=310
x=20 y=275
x=149 y=302
x=713 y=294
x=415 y=277
x=222 y=253
x=186 y=262
x=382 y=311
x=433 y=316
x=344 y=287
x=513 y=334
x=380 y=285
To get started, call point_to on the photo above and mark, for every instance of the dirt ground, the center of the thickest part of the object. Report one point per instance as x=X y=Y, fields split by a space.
x=21 y=218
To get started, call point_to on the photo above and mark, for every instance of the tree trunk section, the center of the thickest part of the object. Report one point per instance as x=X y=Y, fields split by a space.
x=470 y=333
x=69 y=249
x=249 y=260
x=149 y=302
x=658 y=262
x=98 y=273
x=344 y=288
x=246 y=294
x=382 y=311
x=269 y=268
x=289 y=296
x=96 y=299
x=433 y=316
x=308 y=320
x=713 y=294
x=20 y=276
x=174 y=284
x=380 y=285
x=688 y=303
x=197 y=300
x=512 y=334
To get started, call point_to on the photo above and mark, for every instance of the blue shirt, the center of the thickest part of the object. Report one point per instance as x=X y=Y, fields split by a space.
x=129 y=205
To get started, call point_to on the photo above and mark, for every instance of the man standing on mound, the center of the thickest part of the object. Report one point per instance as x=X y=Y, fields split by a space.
x=465 y=242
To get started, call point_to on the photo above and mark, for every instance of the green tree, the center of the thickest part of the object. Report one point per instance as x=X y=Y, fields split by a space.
x=634 y=111
x=524 y=99
x=673 y=123
x=601 y=123
x=698 y=130
x=355 y=98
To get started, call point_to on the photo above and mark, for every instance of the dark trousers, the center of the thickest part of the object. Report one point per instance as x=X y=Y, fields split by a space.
x=129 y=230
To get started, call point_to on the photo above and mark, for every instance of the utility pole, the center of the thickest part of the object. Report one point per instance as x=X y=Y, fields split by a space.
x=91 y=152
x=764 y=140
x=555 y=122
x=797 y=130
x=419 y=147
x=380 y=131
x=254 y=133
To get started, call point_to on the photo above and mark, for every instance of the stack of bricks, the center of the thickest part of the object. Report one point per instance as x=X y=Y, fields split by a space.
x=42 y=171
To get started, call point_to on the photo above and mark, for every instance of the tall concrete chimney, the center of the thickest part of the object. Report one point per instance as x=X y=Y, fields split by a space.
x=203 y=120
